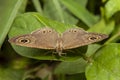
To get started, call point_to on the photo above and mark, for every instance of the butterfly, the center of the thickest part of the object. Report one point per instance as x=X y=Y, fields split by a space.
x=48 y=38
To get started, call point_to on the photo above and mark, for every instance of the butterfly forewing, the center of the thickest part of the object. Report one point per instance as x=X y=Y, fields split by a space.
x=45 y=38
x=78 y=37
x=70 y=36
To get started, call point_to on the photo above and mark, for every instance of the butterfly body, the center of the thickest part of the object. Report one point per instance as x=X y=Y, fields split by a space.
x=47 y=38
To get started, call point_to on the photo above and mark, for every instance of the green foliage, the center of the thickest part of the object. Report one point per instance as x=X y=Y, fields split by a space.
x=105 y=64
x=11 y=74
x=99 y=61
x=8 y=12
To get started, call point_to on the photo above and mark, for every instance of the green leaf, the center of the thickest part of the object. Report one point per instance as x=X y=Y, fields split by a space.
x=58 y=26
x=103 y=27
x=115 y=35
x=82 y=2
x=79 y=76
x=22 y=8
x=60 y=14
x=111 y=7
x=11 y=74
x=92 y=49
x=106 y=64
x=37 y=6
x=8 y=11
x=74 y=67
x=80 y=11
x=28 y=22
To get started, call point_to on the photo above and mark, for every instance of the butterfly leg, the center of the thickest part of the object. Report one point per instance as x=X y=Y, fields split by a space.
x=61 y=53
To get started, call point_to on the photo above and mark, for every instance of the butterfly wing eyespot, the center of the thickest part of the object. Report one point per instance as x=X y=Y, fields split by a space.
x=44 y=31
x=24 y=40
x=73 y=30
x=48 y=31
x=93 y=38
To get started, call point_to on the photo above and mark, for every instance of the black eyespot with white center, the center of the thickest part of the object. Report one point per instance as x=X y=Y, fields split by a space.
x=93 y=38
x=25 y=40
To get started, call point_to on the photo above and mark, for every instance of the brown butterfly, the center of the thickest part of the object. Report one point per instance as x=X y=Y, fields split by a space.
x=47 y=38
